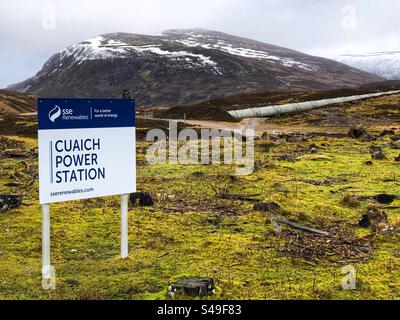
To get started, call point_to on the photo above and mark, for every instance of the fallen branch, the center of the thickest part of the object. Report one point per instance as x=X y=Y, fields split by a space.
x=233 y=196
x=362 y=238
x=298 y=226
x=163 y=255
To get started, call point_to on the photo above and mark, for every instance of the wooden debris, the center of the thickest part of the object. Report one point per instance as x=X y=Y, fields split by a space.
x=235 y=196
x=298 y=226
x=334 y=248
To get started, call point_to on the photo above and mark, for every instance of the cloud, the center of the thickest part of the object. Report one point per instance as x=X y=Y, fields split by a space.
x=32 y=30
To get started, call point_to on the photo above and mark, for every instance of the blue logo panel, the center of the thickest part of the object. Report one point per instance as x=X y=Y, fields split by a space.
x=85 y=113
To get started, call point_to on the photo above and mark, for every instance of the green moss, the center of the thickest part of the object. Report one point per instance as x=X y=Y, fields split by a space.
x=190 y=231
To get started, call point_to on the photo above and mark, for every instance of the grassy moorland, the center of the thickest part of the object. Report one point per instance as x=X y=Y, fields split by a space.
x=203 y=222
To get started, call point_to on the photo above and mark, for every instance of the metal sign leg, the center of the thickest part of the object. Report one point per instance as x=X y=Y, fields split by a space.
x=124 y=226
x=46 y=266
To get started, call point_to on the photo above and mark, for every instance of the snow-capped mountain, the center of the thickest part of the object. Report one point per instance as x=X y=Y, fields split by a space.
x=383 y=64
x=182 y=66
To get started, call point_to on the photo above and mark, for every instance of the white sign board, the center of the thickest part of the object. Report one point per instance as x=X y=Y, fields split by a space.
x=86 y=148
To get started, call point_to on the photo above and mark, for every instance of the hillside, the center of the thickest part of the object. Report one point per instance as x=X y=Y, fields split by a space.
x=16 y=103
x=215 y=109
x=383 y=64
x=183 y=66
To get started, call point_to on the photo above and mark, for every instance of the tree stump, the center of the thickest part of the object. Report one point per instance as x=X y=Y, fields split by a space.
x=192 y=287
x=10 y=201
x=357 y=133
x=375 y=218
x=145 y=199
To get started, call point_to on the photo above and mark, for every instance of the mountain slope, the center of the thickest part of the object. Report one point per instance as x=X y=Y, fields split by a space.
x=183 y=66
x=16 y=103
x=383 y=64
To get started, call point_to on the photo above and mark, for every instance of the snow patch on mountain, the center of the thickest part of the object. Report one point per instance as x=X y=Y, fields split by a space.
x=188 y=57
x=203 y=41
x=93 y=49
x=100 y=48
x=384 y=64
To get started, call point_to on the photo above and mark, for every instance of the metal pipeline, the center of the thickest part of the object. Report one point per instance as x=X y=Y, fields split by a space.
x=301 y=106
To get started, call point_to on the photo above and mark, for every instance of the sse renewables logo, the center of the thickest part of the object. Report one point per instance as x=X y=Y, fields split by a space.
x=54 y=113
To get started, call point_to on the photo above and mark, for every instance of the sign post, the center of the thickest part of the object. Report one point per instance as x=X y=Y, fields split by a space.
x=124 y=226
x=46 y=271
x=86 y=150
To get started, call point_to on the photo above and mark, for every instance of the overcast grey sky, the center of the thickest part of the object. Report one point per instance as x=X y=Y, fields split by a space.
x=32 y=30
